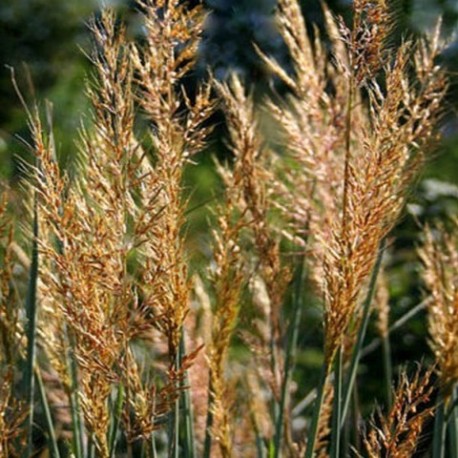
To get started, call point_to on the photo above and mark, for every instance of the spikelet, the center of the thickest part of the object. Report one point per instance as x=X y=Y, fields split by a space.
x=367 y=41
x=439 y=254
x=381 y=305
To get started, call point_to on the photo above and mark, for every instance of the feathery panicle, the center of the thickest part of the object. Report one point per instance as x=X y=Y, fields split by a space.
x=173 y=33
x=84 y=242
x=123 y=205
x=251 y=174
x=227 y=278
x=439 y=254
x=357 y=163
x=398 y=433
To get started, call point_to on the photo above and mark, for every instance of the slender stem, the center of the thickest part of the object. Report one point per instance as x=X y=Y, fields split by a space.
x=313 y=432
x=440 y=430
x=153 y=451
x=143 y=450
x=260 y=449
x=48 y=417
x=31 y=311
x=290 y=356
x=116 y=417
x=74 y=403
x=174 y=416
x=91 y=448
x=260 y=442
x=337 y=409
x=453 y=425
x=361 y=334
x=190 y=450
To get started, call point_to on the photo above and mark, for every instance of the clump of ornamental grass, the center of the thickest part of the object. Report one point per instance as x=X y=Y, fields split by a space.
x=110 y=288
x=124 y=207
x=356 y=160
x=356 y=126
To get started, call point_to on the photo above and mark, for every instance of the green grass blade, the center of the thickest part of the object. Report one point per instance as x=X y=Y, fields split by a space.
x=440 y=430
x=289 y=356
x=78 y=446
x=261 y=451
x=174 y=416
x=31 y=313
x=91 y=448
x=153 y=451
x=52 y=439
x=453 y=425
x=189 y=440
x=361 y=334
x=337 y=409
x=116 y=417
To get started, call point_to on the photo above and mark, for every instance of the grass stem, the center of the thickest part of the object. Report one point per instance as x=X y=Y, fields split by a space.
x=453 y=425
x=290 y=355
x=52 y=438
x=440 y=430
x=91 y=448
x=78 y=446
x=174 y=426
x=153 y=451
x=116 y=416
x=31 y=312
x=189 y=442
